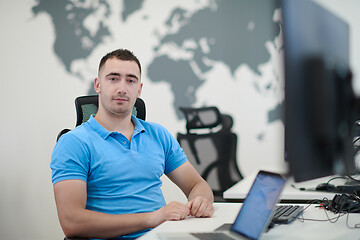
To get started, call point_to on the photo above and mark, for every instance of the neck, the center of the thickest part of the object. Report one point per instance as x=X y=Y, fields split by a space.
x=116 y=123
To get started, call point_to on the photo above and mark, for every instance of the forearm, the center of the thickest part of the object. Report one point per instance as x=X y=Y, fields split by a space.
x=77 y=221
x=86 y=223
x=201 y=189
x=191 y=183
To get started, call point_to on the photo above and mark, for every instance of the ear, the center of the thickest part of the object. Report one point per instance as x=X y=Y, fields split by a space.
x=140 y=90
x=97 y=85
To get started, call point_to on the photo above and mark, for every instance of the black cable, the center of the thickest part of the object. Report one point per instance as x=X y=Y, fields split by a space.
x=353 y=208
x=347 y=223
x=325 y=203
x=331 y=179
x=302 y=219
x=327 y=206
x=335 y=218
x=347 y=217
x=354 y=179
x=324 y=220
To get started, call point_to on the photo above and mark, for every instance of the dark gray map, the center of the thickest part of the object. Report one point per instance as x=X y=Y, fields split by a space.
x=233 y=32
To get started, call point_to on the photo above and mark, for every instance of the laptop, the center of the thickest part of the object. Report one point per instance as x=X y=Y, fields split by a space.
x=254 y=216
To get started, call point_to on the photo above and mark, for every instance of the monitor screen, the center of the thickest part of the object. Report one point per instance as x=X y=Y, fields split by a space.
x=319 y=100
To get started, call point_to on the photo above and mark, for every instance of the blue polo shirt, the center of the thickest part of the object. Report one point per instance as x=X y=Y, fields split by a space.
x=122 y=176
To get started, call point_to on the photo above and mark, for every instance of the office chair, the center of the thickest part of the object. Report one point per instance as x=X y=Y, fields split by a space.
x=211 y=147
x=87 y=105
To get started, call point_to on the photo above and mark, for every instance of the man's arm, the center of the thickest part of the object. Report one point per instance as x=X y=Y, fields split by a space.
x=196 y=189
x=76 y=221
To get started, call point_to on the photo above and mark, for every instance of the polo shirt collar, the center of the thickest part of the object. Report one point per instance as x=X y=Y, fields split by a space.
x=138 y=125
x=105 y=133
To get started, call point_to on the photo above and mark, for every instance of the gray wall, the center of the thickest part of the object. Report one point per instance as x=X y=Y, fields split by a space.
x=39 y=86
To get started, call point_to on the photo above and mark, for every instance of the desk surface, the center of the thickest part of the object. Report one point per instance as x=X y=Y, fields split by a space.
x=227 y=212
x=239 y=191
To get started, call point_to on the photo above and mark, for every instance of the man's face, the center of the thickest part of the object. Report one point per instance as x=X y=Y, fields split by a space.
x=118 y=86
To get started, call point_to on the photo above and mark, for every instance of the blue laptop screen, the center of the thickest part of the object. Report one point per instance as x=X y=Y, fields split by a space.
x=256 y=211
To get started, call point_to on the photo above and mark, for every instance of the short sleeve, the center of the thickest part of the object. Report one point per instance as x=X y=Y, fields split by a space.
x=70 y=159
x=175 y=155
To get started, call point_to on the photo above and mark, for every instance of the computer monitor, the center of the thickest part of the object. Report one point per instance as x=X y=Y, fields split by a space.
x=319 y=100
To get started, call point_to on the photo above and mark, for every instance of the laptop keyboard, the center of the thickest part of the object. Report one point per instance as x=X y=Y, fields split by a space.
x=283 y=214
x=212 y=236
x=286 y=213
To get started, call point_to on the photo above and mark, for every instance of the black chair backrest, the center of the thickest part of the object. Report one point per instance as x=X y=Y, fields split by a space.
x=88 y=105
x=85 y=106
x=201 y=118
x=211 y=146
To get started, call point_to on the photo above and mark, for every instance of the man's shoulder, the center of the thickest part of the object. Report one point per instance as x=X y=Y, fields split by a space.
x=152 y=126
x=82 y=133
x=158 y=132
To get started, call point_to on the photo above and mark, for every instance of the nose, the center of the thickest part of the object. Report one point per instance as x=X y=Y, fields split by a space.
x=122 y=88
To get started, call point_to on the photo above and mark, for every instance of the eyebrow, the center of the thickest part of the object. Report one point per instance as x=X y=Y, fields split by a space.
x=118 y=74
x=112 y=74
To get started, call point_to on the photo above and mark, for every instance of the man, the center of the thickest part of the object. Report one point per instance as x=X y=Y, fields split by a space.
x=106 y=172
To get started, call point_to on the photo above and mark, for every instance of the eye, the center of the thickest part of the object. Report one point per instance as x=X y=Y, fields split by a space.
x=112 y=79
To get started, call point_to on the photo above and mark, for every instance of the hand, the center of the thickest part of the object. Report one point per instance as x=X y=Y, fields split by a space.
x=173 y=211
x=200 y=207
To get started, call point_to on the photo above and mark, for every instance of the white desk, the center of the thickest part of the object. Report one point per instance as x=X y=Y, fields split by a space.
x=227 y=212
x=239 y=191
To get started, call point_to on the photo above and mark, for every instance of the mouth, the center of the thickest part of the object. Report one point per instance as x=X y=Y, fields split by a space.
x=121 y=99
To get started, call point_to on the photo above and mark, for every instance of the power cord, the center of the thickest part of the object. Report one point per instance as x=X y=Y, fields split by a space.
x=336 y=206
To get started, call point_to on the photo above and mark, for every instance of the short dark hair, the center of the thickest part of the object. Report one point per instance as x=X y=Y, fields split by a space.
x=121 y=54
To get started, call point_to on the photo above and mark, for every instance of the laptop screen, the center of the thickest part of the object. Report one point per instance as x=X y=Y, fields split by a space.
x=255 y=214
